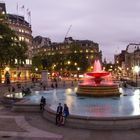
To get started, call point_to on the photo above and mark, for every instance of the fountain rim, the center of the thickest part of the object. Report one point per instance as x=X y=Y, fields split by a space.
x=98 y=74
x=48 y=108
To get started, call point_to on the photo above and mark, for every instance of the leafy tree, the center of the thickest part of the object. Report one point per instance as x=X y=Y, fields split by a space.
x=77 y=57
x=10 y=47
x=58 y=62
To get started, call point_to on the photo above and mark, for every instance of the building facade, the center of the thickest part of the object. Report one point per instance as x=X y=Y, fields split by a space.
x=24 y=32
x=126 y=61
x=22 y=29
x=43 y=45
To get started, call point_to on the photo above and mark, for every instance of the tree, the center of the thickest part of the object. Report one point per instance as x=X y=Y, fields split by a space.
x=59 y=62
x=10 y=46
x=78 y=58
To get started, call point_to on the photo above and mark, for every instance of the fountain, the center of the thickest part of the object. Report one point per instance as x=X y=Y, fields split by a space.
x=95 y=84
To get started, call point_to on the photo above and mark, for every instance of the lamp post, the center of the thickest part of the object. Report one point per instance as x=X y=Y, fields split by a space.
x=78 y=72
x=136 y=70
x=7 y=75
x=36 y=70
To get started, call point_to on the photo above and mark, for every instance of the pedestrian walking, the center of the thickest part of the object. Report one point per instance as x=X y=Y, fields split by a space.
x=13 y=89
x=72 y=84
x=64 y=83
x=52 y=86
x=56 y=85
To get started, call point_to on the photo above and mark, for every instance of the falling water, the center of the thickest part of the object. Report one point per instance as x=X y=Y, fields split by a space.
x=97 y=70
x=97 y=66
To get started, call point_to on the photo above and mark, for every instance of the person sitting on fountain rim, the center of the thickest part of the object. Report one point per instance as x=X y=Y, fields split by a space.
x=59 y=113
x=65 y=114
x=42 y=103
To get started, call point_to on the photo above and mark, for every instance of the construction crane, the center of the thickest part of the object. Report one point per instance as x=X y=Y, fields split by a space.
x=68 y=31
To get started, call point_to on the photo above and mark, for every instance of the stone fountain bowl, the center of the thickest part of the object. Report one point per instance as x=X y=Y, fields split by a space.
x=98 y=90
x=97 y=74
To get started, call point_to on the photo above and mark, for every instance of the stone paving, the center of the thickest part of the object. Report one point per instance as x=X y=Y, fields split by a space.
x=32 y=126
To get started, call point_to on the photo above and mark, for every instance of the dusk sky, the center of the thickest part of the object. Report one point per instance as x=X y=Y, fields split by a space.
x=111 y=23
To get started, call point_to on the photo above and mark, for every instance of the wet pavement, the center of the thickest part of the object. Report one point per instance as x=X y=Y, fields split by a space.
x=32 y=126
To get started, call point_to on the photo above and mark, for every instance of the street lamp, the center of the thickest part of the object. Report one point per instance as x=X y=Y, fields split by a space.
x=75 y=64
x=7 y=68
x=136 y=70
x=78 y=72
x=69 y=62
x=36 y=69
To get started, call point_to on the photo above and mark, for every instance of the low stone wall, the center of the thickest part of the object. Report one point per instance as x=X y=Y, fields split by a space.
x=108 y=123
x=21 y=107
x=74 y=121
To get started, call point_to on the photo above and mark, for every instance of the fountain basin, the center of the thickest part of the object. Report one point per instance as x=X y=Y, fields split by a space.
x=96 y=123
x=98 y=91
x=89 y=113
x=96 y=88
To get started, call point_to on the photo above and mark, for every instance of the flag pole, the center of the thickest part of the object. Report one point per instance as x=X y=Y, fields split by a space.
x=30 y=18
x=17 y=12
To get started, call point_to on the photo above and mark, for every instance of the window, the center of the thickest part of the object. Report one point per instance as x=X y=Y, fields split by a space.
x=20 y=38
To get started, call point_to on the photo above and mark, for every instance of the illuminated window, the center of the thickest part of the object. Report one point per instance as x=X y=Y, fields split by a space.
x=27 y=61
x=75 y=51
x=86 y=51
x=81 y=51
x=15 y=61
x=27 y=40
x=20 y=38
x=30 y=62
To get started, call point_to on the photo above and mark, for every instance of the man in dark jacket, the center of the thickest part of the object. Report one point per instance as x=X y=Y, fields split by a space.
x=59 y=113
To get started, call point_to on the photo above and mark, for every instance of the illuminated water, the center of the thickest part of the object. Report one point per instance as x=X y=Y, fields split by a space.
x=126 y=105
